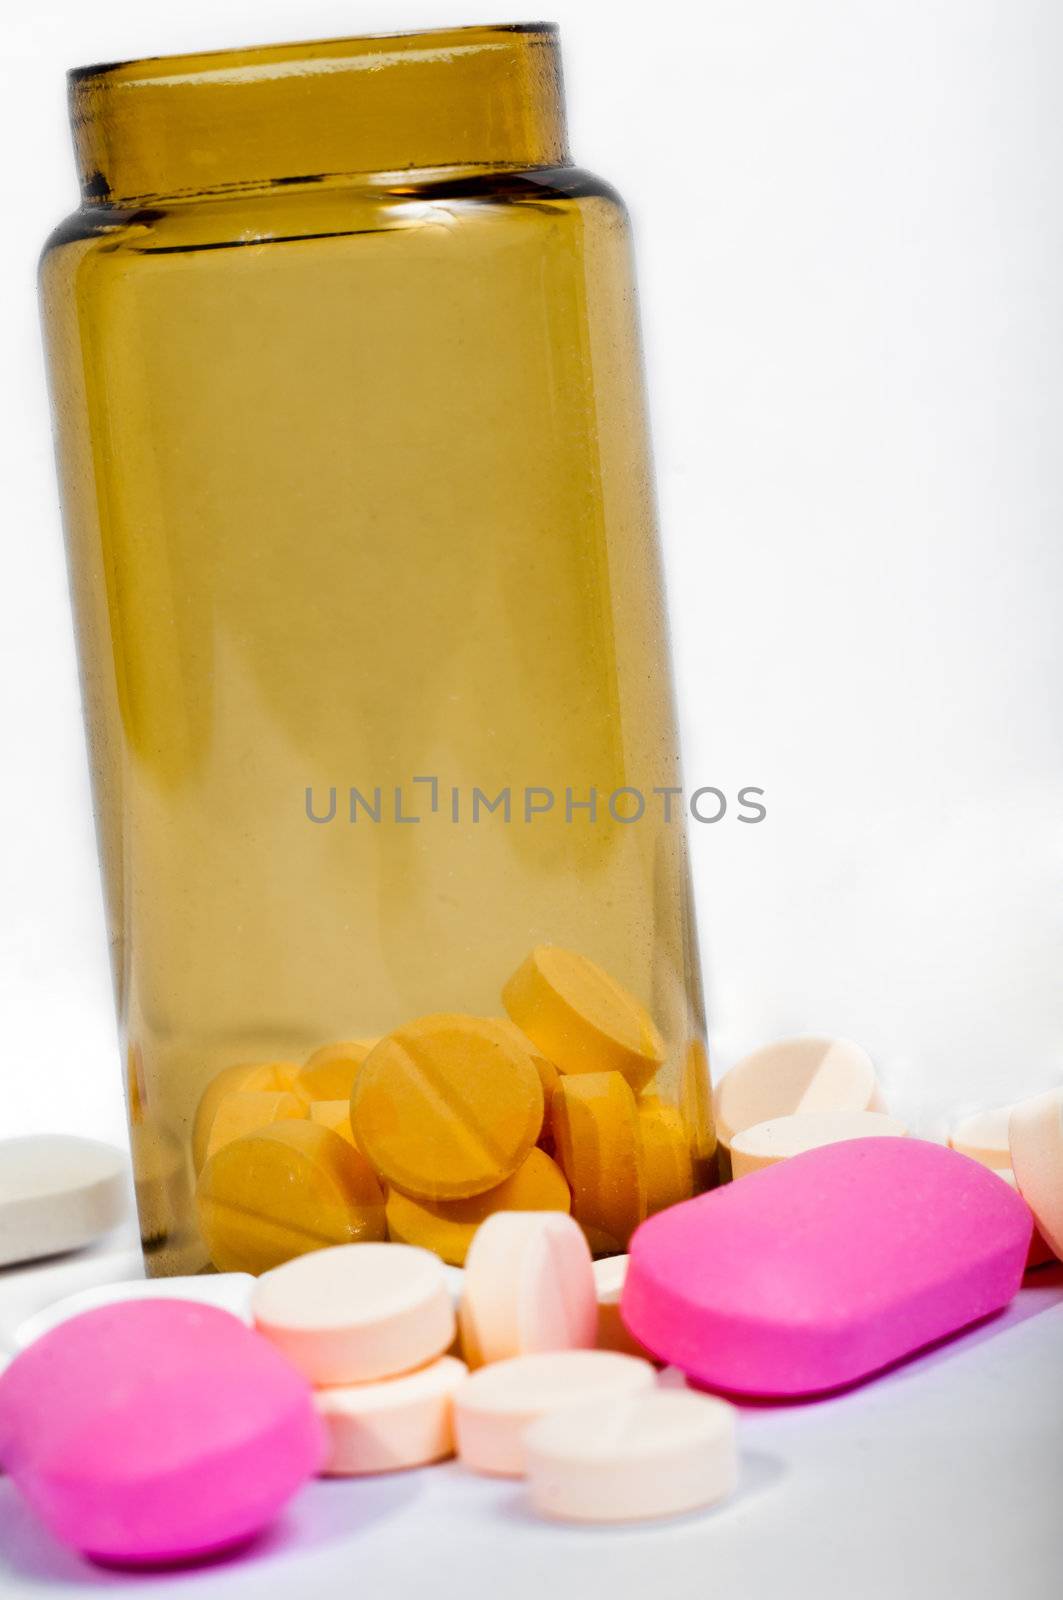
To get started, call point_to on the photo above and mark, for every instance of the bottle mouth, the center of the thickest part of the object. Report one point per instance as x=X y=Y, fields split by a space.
x=201 y=62
x=177 y=126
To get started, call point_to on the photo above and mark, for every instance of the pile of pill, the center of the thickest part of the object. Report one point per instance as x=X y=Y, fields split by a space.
x=421 y=1135
x=146 y=1430
x=373 y=1329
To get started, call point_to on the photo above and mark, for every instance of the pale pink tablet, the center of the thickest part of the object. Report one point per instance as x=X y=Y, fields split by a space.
x=825 y=1268
x=984 y=1136
x=399 y=1422
x=154 y=1431
x=1040 y=1252
x=783 y=1137
x=803 y=1074
x=656 y=1453
x=494 y=1406
x=529 y=1285
x=1035 y=1137
x=609 y=1275
x=357 y=1312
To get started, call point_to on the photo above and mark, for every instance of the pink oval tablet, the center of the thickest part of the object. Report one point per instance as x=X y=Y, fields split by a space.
x=825 y=1268
x=154 y=1431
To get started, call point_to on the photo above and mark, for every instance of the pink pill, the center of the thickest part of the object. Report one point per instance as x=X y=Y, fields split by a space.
x=825 y=1268
x=154 y=1431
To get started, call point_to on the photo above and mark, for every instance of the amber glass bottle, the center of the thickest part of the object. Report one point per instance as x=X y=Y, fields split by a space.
x=345 y=371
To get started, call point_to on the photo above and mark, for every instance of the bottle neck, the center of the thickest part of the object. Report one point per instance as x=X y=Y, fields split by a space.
x=180 y=126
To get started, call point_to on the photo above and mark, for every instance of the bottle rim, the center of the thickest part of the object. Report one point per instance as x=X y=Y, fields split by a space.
x=265 y=55
x=185 y=126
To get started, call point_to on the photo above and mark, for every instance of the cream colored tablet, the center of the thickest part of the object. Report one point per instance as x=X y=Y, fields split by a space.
x=455 y=1277
x=357 y=1312
x=57 y=1193
x=655 y=1454
x=1040 y=1252
x=768 y=1142
x=984 y=1137
x=494 y=1406
x=609 y=1275
x=399 y=1422
x=1035 y=1136
x=229 y=1291
x=805 y=1074
x=528 y=1286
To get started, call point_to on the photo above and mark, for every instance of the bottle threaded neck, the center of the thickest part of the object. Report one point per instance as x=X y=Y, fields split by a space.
x=173 y=126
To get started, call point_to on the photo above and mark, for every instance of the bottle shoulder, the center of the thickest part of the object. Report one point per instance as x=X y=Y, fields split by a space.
x=329 y=209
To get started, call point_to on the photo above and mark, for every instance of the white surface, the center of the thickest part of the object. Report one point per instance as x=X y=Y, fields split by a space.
x=24 y=1290
x=849 y=221
x=942 y=1479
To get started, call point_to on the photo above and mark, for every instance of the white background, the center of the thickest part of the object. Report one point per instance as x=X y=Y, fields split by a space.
x=849 y=220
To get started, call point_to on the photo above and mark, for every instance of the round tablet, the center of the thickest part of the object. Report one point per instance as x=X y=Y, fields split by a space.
x=1040 y=1253
x=283 y=1191
x=357 y=1313
x=57 y=1193
x=984 y=1137
x=548 y=1073
x=580 y=1017
x=455 y=1277
x=768 y=1142
x=806 y=1074
x=267 y=1075
x=596 y=1129
x=609 y=1275
x=156 y=1431
x=447 y=1107
x=330 y=1072
x=528 y=1286
x=247 y=1111
x=334 y=1114
x=1035 y=1136
x=227 y=1291
x=494 y=1406
x=448 y=1226
x=655 y=1454
x=398 y=1422
x=665 y=1154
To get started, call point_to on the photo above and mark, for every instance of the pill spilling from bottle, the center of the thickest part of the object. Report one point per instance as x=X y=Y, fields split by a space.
x=147 y=1424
